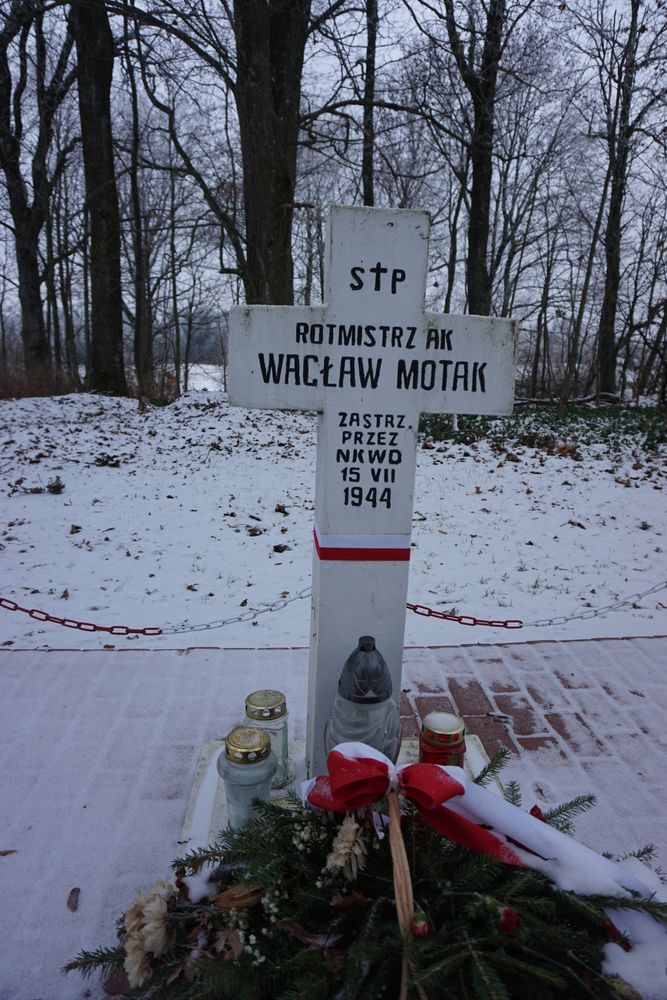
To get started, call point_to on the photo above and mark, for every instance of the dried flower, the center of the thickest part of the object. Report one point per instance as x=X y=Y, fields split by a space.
x=136 y=963
x=348 y=851
x=146 y=929
x=134 y=918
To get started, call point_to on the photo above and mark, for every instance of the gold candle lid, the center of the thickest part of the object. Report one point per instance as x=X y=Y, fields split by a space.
x=247 y=746
x=443 y=728
x=266 y=705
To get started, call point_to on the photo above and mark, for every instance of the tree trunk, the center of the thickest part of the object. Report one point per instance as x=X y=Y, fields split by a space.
x=174 y=279
x=607 y=350
x=367 y=172
x=570 y=374
x=26 y=219
x=270 y=42
x=619 y=153
x=481 y=83
x=143 y=334
x=477 y=267
x=52 y=298
x=95 y=57
x=33 y=330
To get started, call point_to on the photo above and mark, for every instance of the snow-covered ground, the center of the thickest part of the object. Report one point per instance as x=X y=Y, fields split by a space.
x=198 y=512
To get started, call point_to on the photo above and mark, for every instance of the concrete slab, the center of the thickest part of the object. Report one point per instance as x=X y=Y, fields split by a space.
x=99 y=749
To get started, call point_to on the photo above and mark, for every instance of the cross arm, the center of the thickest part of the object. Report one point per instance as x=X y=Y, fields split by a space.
x=271 y=364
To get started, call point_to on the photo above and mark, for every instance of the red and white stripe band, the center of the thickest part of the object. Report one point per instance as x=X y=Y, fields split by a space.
x=362 y=548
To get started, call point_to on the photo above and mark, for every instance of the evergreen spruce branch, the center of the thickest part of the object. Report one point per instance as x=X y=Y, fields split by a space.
x=193 y=862
x=592 y=908
x=372 y=955
x=219 y=979
x=644 y=854
x=653 y=907
x=568 y=969
x=479 y=874
x=374 y=915
x=438 y=972
x=486 y=981
x=513 y=793
x=585 y=907
x=102 y=960
x=379 y=976
x=493 y=768
x=529 y=969
x=305 y=972
x=312 y=988
x=526 y=882
x=537 y=906
x=562 y=816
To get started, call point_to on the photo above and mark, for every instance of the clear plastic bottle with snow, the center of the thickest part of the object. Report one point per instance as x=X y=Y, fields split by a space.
x=364 y=710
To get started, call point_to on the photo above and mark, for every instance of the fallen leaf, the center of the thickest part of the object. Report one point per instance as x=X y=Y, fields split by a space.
x=5 y=854
x=73 y=899
x=307 y=937
x=228 y=942
x=281 y=548
x=339 y=902
x=239 y=897
x=116 y=983
x=74 y=529
x=281 y=509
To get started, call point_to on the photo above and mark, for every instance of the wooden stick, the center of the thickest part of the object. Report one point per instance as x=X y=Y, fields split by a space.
x=402 y=883
x=402 y=879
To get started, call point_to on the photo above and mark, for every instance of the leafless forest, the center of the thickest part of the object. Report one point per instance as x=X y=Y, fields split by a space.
x=165 y=159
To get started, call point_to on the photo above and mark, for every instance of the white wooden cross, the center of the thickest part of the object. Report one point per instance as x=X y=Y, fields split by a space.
x=370 y=360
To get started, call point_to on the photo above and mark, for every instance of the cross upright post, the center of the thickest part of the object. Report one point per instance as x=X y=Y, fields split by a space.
x=370 y=361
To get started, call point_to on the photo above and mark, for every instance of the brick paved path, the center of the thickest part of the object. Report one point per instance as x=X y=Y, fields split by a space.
x=580 y=717
x=98 y=750
x=582 y=698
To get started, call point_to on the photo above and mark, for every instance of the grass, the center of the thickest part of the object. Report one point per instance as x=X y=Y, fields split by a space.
x=540 y=427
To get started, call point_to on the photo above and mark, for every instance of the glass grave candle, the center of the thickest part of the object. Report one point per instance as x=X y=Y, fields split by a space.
x=247 y=766
x=267 y=710
x=363 y=710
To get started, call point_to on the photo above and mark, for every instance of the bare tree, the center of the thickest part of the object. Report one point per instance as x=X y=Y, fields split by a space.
x=95 y=59
x=626 y=48
x=23 y=26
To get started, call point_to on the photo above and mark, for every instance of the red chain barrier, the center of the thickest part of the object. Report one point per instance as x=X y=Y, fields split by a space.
x=422 y=609
x=42 y=616
x=419 y=609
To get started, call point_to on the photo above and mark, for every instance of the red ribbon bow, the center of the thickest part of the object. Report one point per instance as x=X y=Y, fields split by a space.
x=355 y=781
